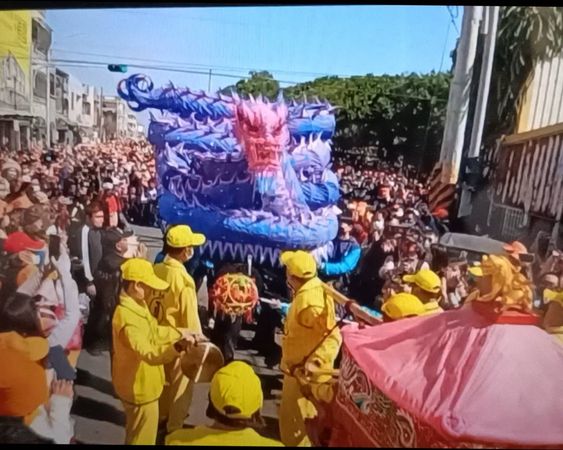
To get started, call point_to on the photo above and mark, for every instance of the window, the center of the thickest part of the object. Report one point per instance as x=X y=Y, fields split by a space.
x=52 y=85
x=40 y=85
x=86 y=108
x=72 y=101
x=41 y=37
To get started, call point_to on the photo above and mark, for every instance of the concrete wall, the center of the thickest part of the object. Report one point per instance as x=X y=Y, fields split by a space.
x=75 y=91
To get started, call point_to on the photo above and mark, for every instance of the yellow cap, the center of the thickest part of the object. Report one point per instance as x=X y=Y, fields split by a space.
x=476 y=271
x=300 y=264
x=236 y=391
x=138 y=269
x=426 y=280
x=550 y=295
x=180 y=236
x=403 y=305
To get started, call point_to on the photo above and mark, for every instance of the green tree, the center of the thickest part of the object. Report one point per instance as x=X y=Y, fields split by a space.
x=403 y=114
x=259 y=83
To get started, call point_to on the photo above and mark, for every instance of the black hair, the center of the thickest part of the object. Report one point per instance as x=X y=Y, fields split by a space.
x=14 y=431
x=18 y=313
x=256 y=421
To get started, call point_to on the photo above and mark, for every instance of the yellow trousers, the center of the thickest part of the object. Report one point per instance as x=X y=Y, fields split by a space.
x=141 y=423
x=294 y=409
x=176 y=397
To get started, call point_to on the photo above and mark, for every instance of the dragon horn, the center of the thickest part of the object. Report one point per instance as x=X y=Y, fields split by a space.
x=251 y=98
x=260 y=99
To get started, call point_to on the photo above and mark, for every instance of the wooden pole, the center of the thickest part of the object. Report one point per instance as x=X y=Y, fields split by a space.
x=359 y=314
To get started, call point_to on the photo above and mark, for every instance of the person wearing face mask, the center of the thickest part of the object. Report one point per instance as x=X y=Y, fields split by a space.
x=106 y=280
x=12 y=171
x=140 y=348
x=59 y=296
x=345 y=256
x=311 y=338
x=178 y=308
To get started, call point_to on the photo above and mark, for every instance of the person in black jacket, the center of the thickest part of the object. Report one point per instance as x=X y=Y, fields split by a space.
x=107 y=281
x=86 y=245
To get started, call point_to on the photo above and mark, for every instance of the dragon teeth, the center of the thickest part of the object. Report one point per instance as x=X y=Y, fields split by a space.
x=239 y=251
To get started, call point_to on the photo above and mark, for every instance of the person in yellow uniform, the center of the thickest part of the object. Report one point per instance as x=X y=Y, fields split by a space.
x=235 y=401
x=426 y=286
x=310 y=337
x=140 y=348
x=553 y=299
x=177 y=307
x=401 y=306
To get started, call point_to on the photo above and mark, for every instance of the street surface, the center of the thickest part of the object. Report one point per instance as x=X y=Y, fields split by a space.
x=98 y=414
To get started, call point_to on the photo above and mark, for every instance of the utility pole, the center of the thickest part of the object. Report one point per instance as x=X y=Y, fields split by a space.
x=102 y=129
x=458 y=101
x=484 y=81
x=48 y=105
x=209 y=82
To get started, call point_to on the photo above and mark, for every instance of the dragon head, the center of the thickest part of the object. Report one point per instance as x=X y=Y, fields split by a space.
x=261 y=128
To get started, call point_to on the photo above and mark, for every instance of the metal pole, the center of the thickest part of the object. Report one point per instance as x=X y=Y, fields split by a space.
x=102 y=129
x=209 y=82
x=458 y=101
x=48 y=105
x=484 y=82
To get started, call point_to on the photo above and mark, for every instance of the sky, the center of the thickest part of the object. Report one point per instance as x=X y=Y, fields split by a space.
x=295 y=44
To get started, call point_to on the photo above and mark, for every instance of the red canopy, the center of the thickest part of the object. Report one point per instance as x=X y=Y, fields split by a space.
x=470 y=380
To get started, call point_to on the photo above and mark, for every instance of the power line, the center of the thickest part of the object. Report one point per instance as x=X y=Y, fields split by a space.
x=84 y=63
x=208 y=66
x=453 y=18
x=444 y=47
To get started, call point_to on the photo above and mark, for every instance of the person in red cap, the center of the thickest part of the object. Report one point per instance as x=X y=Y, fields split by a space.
x=20 y=241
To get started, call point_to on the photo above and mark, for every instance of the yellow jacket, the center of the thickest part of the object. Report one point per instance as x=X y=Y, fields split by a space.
x=207 y=436
x=178 y=305
x=310 y=316
x=140 y=348
x=433 y=307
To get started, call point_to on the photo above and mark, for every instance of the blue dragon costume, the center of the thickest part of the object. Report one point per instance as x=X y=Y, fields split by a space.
x=254 y=176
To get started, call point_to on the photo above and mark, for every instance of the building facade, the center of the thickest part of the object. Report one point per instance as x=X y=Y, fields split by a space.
x=118 y=122
x=41 y=45
x=527 y=185
x=15 y=75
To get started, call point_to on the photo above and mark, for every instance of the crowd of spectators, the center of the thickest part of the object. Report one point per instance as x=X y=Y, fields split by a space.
x=65 y=218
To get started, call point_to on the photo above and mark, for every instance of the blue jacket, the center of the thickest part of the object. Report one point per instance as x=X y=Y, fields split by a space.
x=344 y=259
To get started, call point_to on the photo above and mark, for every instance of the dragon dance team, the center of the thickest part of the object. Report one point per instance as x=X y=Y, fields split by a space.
x=156 y=322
